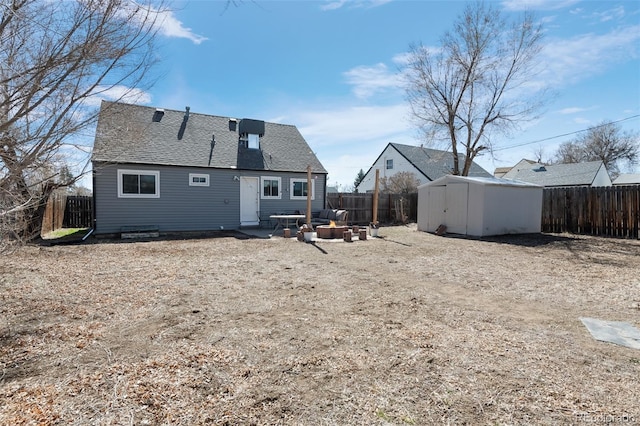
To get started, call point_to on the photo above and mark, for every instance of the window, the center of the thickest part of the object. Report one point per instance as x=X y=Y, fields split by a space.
x=138 y=184
x=299 y=189
x=253 y=141
x=390 y=164
x=250 y=140
x=271 y=187
x=196 y=179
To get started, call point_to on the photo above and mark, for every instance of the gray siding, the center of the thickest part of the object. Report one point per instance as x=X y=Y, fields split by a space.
x=181 y=207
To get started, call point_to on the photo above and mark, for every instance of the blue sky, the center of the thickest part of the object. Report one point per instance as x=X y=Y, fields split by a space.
x=331 y=68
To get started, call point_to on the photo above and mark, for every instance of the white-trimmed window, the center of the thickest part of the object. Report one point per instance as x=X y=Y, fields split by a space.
x=253 y=141
x=198 y=179
x=299 y=189
x=138 y=184
x=390 y=164
x=271 y=187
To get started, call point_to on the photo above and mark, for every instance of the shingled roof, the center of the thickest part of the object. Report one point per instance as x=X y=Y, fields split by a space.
x=434 y=163
x=138 y=134
x=574 y=174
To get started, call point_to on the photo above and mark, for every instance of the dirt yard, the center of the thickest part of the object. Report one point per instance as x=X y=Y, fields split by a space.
x=409 y=328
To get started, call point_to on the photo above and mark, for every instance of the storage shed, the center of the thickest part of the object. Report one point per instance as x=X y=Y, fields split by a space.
x=479 y=206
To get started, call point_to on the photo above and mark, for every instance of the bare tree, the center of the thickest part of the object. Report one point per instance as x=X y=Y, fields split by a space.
x=56 y=60
x=476 y=81
x=606 y=142
x=400 y=183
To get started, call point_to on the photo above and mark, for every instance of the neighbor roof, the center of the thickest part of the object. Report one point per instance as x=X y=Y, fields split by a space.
x=434 y=163
x=573 y=174
x=627 y=179
x=129 y=133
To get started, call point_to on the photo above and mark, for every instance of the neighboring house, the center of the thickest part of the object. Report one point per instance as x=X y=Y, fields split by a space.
x=181 y=171
x=499 y=172
x=627 y=179
x=592 y=173
x=427 y=164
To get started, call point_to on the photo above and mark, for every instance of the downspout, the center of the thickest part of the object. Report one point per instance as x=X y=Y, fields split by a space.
x=93 y=201
x=324 y=202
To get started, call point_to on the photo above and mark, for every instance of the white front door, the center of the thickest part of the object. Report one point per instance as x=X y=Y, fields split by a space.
x=249 y=201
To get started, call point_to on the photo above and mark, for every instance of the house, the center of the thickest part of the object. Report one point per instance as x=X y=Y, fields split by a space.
x=499 y=172
x=627 y=179
x=427 y=165
x=479 y=206
x=592 y=173
x=183 y=171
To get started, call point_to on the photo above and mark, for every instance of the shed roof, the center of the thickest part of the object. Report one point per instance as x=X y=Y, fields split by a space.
x=129 y=133
x=486 y=181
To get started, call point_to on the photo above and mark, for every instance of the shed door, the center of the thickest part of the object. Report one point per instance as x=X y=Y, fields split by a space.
x=249 y=201
x=436 y=206
x=457 y=196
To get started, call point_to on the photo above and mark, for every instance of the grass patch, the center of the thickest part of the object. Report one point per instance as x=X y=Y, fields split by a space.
x=65 y=232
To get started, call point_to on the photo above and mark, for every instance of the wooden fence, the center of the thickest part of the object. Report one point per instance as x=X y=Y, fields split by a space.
x=398 y=208
x=67 y=211
x=607 y=211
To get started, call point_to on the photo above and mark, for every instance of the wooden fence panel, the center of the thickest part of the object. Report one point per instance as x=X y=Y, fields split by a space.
x=607 y=211
x=53 y=213
x=67 y=211
x=391 y=207
x=78 y=212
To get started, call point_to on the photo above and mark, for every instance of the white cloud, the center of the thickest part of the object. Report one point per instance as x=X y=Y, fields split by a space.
x=611 y=14
x=170 y=26
x=118 y=93
x=350 y=137
x=353 y=124
x=337 y=4
x=573 y=110
x=369 y=80
x=333 y=5
x=582 y=120
x=580 y=57
x=519 y=5
x=163 y=20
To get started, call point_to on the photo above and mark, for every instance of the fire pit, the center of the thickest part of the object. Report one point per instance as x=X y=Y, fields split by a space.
x=330 y=232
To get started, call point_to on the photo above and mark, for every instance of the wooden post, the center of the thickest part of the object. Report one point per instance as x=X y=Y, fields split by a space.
x=375 y=198
x=309 y=196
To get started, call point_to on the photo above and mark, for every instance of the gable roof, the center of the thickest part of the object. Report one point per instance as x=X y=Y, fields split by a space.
x=572 y=174
x=627 y=179
x=129 y=133
x=433 y=163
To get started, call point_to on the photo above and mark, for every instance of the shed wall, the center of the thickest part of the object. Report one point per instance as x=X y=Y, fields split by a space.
x=511 y=210
x=491 y=209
